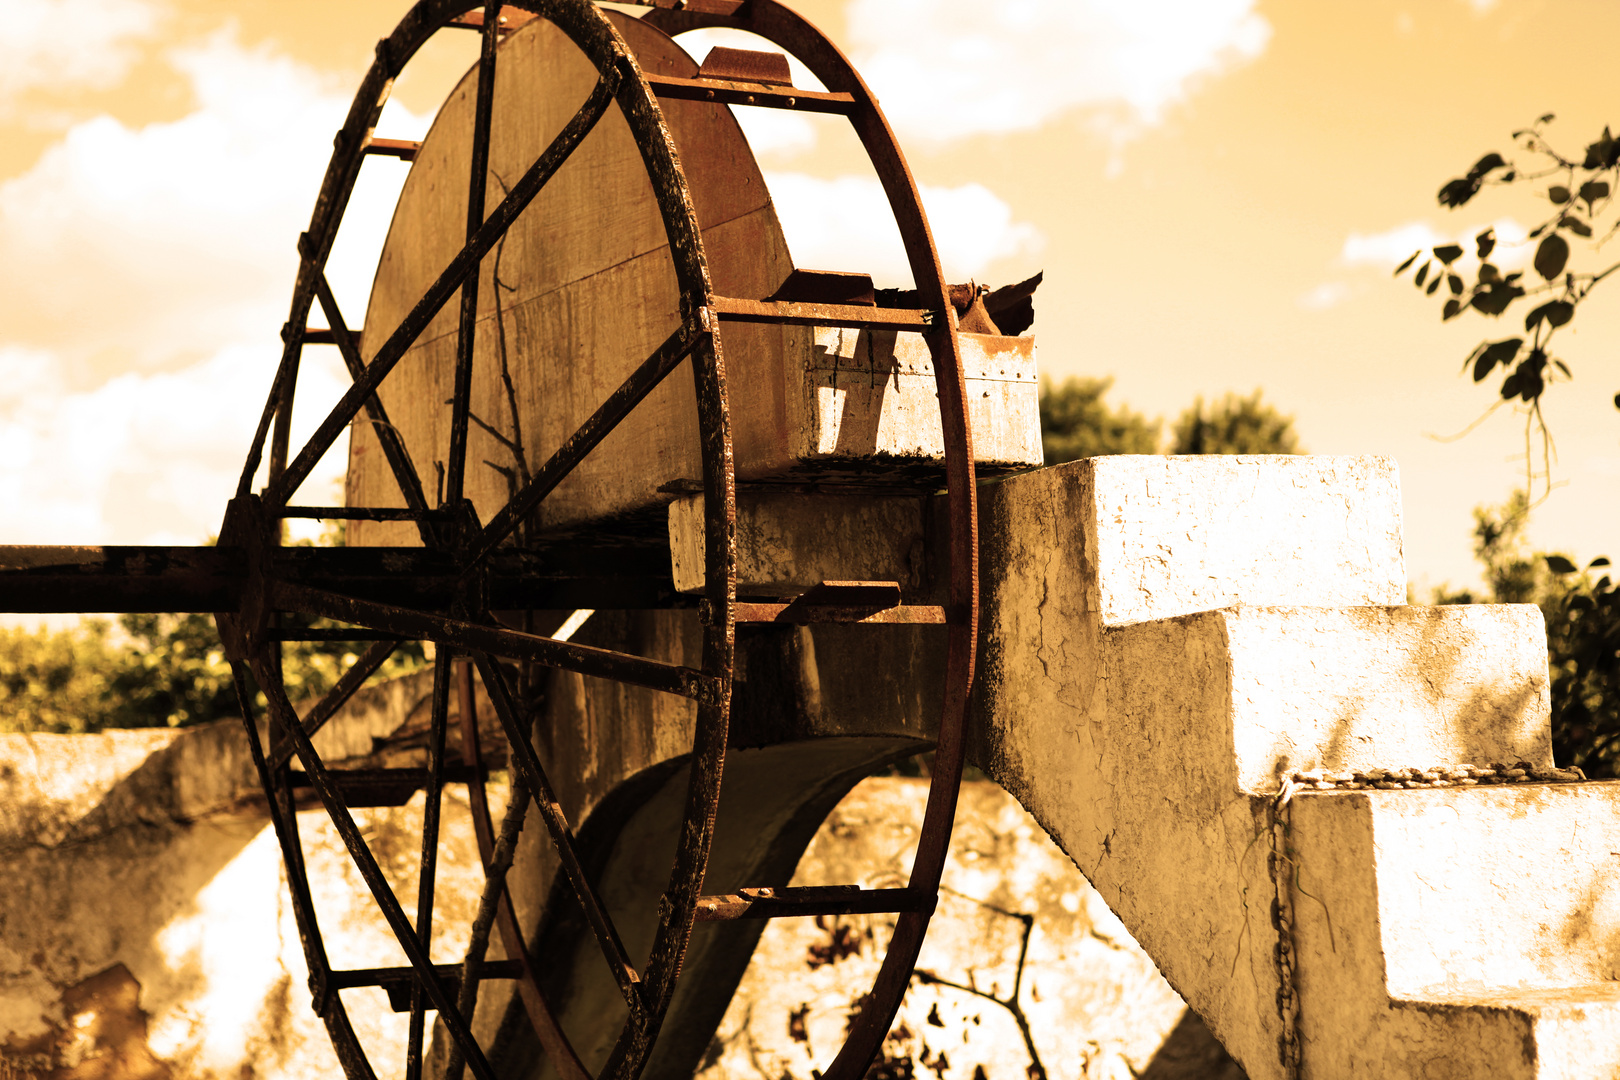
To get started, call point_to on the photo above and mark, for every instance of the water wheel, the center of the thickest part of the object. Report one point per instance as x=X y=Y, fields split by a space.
x=583 y=280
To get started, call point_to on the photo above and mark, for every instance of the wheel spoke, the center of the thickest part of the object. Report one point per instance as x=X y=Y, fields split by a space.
x=526 y=762
x=281 y=712
x=393 y=447
x=337 y=697
x=427 y=870
x=495 y=905
x=461 y=394
x=453 y=276
x=618 y=405
x=499 y=641
x=283 y=819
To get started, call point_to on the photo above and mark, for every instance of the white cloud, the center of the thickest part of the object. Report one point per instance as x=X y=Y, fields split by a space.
x=1326 y=295
x=143 y=458
x=945 y=69
x=1390 y=248
x=151 y=248
x=144 y=277
x=52 y=44
x=845 y=224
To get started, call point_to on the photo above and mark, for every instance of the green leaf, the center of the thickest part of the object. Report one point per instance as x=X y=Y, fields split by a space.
x=1490 y=161
x=1423 y=272
x=1454 y=308
x=1488 y=273
x=1494 y=299
x=1551 y=255
x=1564 y=368
x=1601 y=560
x=1575 y=225
x=1593 y=190
x=1456 y=284
x=1447 y=253
x=1401 y=269
x=1617 y=401
x=1559 y=565
x=1433 y=285
x=1559 y=194
x=1486 y=241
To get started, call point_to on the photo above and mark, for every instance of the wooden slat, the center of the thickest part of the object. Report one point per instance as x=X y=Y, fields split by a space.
x=853 y=316
x=763 y=95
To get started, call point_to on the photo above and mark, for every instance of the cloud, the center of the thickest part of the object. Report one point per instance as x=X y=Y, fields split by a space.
x=151 y=248
x=845 y=224
x=1326 y=295
x=1390 y=248
x=57 y=44
x=946 y=69
x=143 y=458
x=144 y=277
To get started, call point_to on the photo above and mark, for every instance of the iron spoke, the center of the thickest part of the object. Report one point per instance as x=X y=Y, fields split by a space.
x=337 y=697
x=527 y=763
x=282 y=712
x=641 y=382
x=328 y=1003
x=461 y=394
x=499 y=641
x=427 y=868
x=393 y=447
x=465 y=263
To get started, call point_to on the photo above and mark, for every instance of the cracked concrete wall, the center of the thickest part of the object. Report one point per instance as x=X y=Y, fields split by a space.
x=1146 y=732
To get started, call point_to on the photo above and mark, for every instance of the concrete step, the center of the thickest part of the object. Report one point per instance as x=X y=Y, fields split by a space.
x=1458 y=931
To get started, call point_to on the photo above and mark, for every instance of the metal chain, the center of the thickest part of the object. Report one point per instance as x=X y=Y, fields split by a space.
x=1440 y=776
x=1308 y=781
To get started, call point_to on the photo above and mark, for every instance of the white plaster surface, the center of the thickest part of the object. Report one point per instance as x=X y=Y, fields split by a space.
x=1162 y=637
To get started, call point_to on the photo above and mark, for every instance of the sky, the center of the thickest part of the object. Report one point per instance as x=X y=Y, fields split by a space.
x=1216 y=190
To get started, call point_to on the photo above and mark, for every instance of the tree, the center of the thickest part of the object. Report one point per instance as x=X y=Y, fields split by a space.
x=1579 y=196
x=1075 y=423
x=160 y=670
x=1583 y=631
x=1235 y=425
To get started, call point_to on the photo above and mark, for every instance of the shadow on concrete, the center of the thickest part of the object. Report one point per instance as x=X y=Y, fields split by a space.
x=1190 y=1052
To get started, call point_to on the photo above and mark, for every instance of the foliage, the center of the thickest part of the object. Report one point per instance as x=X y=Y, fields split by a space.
x=1075 y=423
x=159 y=670
x=1234 y=425
x=1583 y=631
x=55 y=680
x=1579 y=196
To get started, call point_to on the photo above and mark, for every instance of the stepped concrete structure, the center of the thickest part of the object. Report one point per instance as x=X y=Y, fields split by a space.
x=1194 y=670
x=1331 y=819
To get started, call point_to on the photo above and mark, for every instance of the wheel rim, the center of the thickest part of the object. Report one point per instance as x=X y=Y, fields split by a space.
x=454 y=530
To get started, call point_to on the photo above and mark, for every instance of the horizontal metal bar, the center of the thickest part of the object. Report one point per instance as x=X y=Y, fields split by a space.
x=386 y=787
x=404 y=149
x=37 y=580
x=854 y=316
x=762 y=95
x=275 y=633
x=509 y=19
x=319 y=335
x=497 y=641
x=359 y=513
x=799 y=613
x=356 y=977
x=785 y=903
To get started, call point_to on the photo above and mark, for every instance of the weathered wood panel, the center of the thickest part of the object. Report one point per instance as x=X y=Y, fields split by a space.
x=587 y=291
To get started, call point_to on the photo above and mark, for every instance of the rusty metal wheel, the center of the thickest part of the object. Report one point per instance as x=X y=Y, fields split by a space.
x=464 y=553
x=467 y=564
